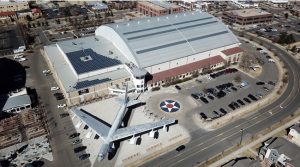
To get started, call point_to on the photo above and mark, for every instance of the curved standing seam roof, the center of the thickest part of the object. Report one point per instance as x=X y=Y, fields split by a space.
x=156 y=40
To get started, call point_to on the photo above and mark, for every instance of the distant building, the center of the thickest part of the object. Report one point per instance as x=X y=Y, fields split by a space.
x=279 y=3
x=157 y=8
x=8 y=6
x=97 y=6
x=16 y=102
x=294 y=133
x=280 y=152
x=246 y=16
x=243 y=162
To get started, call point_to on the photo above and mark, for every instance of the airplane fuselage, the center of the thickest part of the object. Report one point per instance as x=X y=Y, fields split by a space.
x=116 y=124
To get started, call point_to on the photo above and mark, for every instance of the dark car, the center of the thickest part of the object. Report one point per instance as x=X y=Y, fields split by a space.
x=177 y=87
x=235 y=104
x=231 y=106
x=74 y=135
x=84 y=156
x=271 y=83
x=195 y=96
x=247 y=100
x=266 y=89
x=259 y=49
x=78 y=149
x=260 y=83
x=204 y=100
x=180 y=148
x=240 y=102
x=64 y=115
x=221 y=94
x=210 y=97
x=58 y=96
x=234 y=88
x=216 y=113
x=252 y=97
x=268 y=57
x=222 y=110
x=203 y=115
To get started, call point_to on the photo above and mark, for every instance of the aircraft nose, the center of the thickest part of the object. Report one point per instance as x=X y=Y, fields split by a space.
x=100 y=157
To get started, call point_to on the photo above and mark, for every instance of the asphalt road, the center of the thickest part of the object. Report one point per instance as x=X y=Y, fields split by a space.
x=202 y=147
x=60 y=128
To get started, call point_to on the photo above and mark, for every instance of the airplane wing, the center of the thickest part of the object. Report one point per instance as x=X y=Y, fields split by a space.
x=132 y=130
x=133 y=102
x=98 y=126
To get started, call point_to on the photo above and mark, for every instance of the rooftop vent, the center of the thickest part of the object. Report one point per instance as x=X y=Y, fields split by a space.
x=86 y=58
x=74 y=43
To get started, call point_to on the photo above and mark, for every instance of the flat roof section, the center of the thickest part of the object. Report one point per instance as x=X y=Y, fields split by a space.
x=249 y=12
x=87 y=60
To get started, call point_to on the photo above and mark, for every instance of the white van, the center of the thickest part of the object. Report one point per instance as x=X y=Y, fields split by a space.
x=271 y=60
x=19 y=56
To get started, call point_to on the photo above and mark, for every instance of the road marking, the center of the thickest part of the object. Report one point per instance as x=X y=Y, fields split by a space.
x=220 y=134
x=204 y=148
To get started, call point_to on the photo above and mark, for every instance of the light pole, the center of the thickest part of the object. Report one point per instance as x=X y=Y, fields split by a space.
x=242 y=131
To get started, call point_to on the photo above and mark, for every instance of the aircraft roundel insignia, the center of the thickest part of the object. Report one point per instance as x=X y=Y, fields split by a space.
x=170 y=106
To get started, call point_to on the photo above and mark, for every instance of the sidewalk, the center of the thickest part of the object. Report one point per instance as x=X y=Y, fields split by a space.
x=252 y=144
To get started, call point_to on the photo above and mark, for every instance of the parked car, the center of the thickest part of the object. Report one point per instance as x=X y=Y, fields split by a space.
x=76 y=141
x=216 y=113
x=203 y=115
x=74 y=135
x=222 y=110
x=271 y=83
x=260 y=83
x=240 y=102
x=84 y=156
x=198 y=80
x=252 y=97
x=21 y=59
x=204 y=100
x=266 y=89
x=180 y=148
x=64 y=115
x=46 y=71
x=247 y=100
x=177 y=87
x=210 y=97
x=195 y=96
x=259 y=95
x=234 y=88
x=231 y=106
x=58 y=96
x=61 y=106
x=78 y=149
x=18 y=56
x=53 y=88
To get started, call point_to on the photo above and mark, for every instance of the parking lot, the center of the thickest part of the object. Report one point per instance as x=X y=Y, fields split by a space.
x=222 y=92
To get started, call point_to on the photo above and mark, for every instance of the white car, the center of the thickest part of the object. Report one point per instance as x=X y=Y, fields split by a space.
x=61 y=106
x=21 y=59
x=18 y=56
x=54 y=88
x=208 y=77
x=263 y=51
x=271 y=61
x=46 y=71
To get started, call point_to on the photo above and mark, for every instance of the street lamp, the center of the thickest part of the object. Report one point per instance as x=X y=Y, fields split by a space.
x=242 y=131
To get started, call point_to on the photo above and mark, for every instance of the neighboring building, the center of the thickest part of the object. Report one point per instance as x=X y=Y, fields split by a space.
x=145 y=52
x=13 y=6
x=14 y=42
x=97 y=6
x=16 y=102
x=244 y=4
x=33 y=14
x=243 y=162
x=247 y=16
x=157 y=8
x=279 y=3
x=294 y=133
x=280 y=152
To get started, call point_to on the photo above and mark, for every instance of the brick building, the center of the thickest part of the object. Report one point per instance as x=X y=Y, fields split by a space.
x=157 y=8
x=246 y=16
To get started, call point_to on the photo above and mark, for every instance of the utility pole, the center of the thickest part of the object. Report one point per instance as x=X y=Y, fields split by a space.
x=242 y=131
